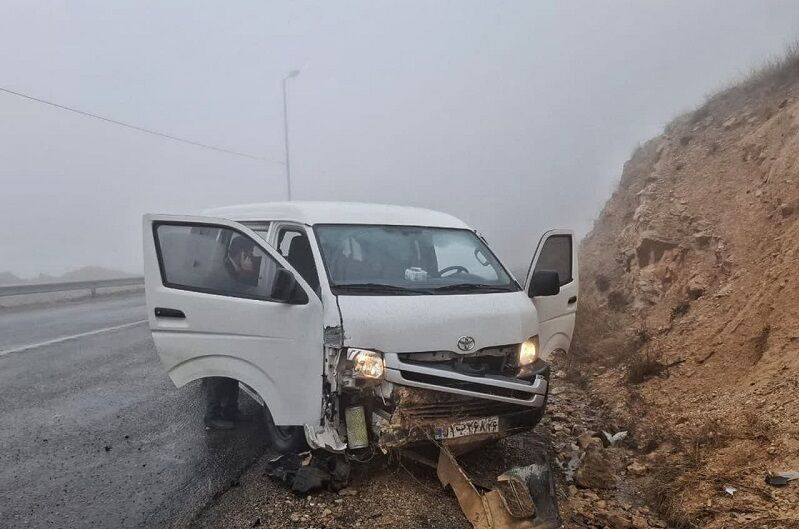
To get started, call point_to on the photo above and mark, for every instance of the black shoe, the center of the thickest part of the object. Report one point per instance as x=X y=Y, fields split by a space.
x=219 y=424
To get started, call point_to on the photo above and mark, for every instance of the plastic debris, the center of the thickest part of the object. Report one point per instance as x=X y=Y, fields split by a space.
x=305 y=474
x=615 y=438
x=730 y=490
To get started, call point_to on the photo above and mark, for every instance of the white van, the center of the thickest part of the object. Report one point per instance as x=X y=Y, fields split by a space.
x=363 y=325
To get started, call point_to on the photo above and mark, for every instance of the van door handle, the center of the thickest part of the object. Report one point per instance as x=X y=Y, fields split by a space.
x=161 y=312
x=572 y=300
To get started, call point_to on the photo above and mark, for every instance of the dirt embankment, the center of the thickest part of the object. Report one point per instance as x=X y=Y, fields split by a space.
x=689 y=323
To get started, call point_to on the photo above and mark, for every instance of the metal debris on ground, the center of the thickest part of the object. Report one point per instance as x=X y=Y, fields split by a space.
x=524 y=497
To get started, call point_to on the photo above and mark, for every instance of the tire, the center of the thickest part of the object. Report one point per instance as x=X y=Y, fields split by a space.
x=284 y=439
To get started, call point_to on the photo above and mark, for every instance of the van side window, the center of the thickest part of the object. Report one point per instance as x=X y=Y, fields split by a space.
x=214 y=260
x=293 y=244
x=556 y=255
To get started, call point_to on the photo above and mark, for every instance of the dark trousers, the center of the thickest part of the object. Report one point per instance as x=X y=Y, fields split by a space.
x=221 y=398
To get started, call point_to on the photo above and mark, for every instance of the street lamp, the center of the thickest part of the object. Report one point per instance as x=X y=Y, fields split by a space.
x=291 y=75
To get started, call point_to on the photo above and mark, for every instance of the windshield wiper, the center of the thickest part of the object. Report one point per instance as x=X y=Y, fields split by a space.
x=379 y=287
x=472 y=287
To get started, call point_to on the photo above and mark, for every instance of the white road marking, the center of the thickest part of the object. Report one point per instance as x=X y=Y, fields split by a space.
x=71 y=337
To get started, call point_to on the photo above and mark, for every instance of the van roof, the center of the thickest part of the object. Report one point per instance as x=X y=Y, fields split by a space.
x=311 y=213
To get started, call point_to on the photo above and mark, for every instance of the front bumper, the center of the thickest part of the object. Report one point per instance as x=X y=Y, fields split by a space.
x=442 y=397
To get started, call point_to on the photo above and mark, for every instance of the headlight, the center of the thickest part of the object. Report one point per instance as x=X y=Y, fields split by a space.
x=366 y=364
x=528 y=351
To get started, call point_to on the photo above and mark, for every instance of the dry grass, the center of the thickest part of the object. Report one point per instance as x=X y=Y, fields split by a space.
x=758 y=427
x=642 y=368
x=661 y=491
x=775 y=76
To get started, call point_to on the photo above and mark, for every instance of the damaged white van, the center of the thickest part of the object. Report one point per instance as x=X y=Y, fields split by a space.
x=361 y=326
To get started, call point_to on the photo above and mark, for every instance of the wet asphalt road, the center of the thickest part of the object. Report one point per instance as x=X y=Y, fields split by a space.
x=94 y=434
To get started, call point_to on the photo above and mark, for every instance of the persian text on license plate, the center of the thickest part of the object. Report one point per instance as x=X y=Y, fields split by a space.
x=464 y=428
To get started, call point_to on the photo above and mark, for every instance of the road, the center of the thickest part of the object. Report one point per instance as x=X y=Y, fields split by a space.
x=94 y=434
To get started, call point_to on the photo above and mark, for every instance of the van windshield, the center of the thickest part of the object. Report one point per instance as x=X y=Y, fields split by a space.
x=406 y=260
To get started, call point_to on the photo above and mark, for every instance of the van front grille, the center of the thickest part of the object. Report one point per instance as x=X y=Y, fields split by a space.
x=466 y=385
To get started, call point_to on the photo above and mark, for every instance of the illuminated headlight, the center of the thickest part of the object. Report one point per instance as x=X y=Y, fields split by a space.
x=528 y=351
x=366 y=363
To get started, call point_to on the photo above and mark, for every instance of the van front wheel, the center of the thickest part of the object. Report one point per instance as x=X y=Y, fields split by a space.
x=284 y=439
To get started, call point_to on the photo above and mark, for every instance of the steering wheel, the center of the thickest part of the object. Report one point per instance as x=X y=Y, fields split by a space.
x=456 y=269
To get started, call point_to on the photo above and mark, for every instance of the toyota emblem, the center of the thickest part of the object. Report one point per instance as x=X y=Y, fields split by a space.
x=465 y=343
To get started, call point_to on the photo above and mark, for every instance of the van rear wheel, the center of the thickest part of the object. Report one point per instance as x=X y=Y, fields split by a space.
x=284 y=439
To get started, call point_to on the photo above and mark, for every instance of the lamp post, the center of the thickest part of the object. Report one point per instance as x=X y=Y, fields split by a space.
x=291 y=75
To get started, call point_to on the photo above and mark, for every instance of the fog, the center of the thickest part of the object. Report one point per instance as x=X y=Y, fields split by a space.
x=515 y=116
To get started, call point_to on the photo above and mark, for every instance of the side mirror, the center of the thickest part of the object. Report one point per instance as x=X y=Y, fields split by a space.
x=544 y=283
x=287 y=290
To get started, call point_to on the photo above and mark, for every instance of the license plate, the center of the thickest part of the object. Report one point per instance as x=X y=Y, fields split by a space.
x=464 y=428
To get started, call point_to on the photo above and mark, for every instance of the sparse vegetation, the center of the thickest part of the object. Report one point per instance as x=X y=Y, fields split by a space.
x=640 y=369
x=728 y=412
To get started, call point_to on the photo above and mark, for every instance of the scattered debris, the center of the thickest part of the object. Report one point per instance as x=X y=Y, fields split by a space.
x=730 y=489
x=524 y=497
x=780 y=479
x=305 y=474
x=615 y=438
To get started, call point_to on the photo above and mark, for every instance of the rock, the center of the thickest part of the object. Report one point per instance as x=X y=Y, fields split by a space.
x=730 y=123
x=614 y=520
x=702 y=239
x=595 y=472
x=560 y=416
x=637 y=469
x=348 y=491
x=758 y=193
x=326 y=513
x=786 y=210
x=586 y=440
x=639 y=522
x=295 y=517
x=697 y=286
x=572 y=490
x=593 y=496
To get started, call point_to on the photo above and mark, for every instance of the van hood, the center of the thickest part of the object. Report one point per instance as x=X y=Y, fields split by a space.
x=405 y=324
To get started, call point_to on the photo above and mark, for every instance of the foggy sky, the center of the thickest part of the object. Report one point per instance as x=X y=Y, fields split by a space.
x=514 y=116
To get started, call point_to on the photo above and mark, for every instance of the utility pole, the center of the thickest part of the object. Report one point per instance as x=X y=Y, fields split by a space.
x=292 y=74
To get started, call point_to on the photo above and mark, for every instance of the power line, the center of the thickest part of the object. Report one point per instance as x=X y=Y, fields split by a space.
x=140 y=129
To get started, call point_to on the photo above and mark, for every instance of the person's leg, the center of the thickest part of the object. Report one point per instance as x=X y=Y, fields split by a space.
x=214 y=399
x=230 y=400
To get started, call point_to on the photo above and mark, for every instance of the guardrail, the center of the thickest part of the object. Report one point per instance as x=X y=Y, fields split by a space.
x=64 y=286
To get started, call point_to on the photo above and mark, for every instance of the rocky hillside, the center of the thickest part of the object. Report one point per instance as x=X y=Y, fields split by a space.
x=689 y=330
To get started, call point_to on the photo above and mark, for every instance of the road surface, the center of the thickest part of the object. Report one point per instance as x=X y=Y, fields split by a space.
x=94 y=434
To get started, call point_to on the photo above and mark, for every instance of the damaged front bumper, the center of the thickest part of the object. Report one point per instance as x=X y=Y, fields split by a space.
x=415 y=403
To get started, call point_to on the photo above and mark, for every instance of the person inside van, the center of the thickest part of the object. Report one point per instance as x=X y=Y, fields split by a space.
x=239 y=276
